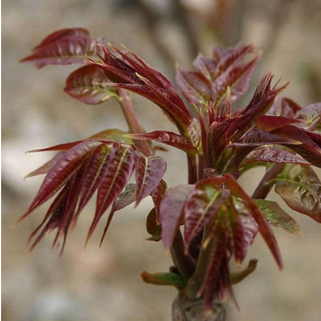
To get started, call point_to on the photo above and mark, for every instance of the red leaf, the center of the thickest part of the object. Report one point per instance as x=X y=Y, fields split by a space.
x=270 y=123
x=255 y=212
x=44 y=169
x=237 y=78
x=158 y=195
x=153 y=226
x=94 y=175
x=114 y=135
x=195 y=87
x=300 y=188
x=219 y=136
x=244 y=229
x=127 y=197
x=59 y=34
x=310 y=147
x=87 y=85
x=172 y=104
x=53 y=210
x=63 y=147
x=261 y=102
x=61 y=172
x=145 y=70
x=274 y=155
x=206 y=66
x=276 y=216
x=138 y=77
x=149 y=172
x=119 y=169
x=210 y=285
x=168 y=138
x=227 y=58
x=64 y=49
x=171 y=212
x=259 y=137
x=202 y=204
x=310 y=113
x=61 y=212
x=214 y=76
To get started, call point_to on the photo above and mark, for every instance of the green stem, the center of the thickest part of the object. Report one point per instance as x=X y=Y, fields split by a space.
x=132 y=121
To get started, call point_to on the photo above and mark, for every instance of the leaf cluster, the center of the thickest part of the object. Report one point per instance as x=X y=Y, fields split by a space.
x=219 y=220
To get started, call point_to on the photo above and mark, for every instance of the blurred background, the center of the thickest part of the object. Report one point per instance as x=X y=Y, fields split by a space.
x=104 y=283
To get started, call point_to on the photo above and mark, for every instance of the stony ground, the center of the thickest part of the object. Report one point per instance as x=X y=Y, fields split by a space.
x=103 y=283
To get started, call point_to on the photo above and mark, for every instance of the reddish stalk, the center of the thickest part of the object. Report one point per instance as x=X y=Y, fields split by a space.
x=132 y=121
x=264 y=187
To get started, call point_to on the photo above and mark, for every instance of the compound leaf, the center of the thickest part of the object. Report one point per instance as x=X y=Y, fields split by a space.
x=87 y=84
x=276 y=216
x=300 y=188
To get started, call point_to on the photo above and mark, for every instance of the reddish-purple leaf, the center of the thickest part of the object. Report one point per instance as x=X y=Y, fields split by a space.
x=300 y=188
x=62 y=33
x=54 y=209
x=310 y=113
x=310 y=147
x=243 y=228
x=94 y=175
x=171 y=212
x=206 y=66
x=114 y=134
x=153 y=226
x=219 y=136
x=237 y=79
x=69 y=207
x=195 y=87
x=260 y=219
x=127 y=197
x=202 y=204
x=44 y=169
x=274 y=155
x=258 y=137
x=149 y=172
x=63 y=147
x=260 y=103
x=61 y=172
x=228 y=58
x=285 y=107
x=210 y=286
x=145 y=70
x=119 y=169
x=157 y=195
x=168 y=138
x=138 y=77
x=214 y=76
x=87 y=84
x=194 y=133
x=276 y=216
x=63 y=51
x=61 y=212
x=172 y=104
x=270 y=123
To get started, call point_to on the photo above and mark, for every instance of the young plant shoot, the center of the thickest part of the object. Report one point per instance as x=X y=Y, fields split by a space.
x=210 y=220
